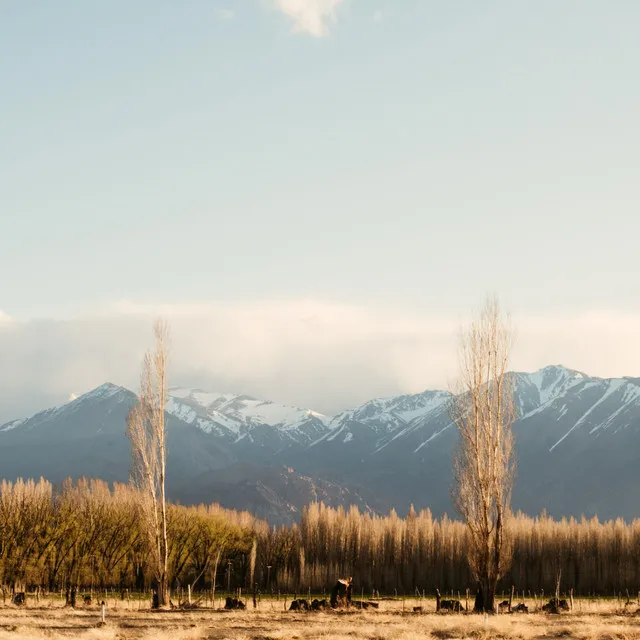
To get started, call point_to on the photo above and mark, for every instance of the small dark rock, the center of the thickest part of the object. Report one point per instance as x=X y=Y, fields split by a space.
x=234 y=603
x=20 y=598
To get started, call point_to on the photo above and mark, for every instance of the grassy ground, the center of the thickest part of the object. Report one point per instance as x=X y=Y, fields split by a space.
x=394 y=620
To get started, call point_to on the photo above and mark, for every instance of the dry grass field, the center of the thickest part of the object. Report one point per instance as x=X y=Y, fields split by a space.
x=589 y=621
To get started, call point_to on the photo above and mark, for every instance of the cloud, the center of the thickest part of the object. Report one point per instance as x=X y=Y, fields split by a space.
x=320 y=355
x=310 y=16
x=377 y=16
x=224 y=14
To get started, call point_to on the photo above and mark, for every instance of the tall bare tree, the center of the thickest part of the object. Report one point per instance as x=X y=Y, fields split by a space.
x=147 y=433
x=483 y=410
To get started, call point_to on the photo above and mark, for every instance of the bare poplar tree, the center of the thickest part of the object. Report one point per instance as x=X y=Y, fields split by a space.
x=483 y=411
x=147 y=433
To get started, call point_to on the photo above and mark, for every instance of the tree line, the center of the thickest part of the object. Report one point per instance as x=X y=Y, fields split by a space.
x=421 y=553
x=89 y=535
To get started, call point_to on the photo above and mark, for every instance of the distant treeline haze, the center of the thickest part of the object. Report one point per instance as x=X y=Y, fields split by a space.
x=88 y=534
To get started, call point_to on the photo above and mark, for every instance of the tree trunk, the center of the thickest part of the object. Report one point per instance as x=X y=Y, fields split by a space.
x=160 y=594
x=485 y=597
x=489 y=593
x=71 y=596
x=478 y=606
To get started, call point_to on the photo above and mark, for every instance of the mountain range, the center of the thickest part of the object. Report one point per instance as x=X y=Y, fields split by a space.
x=577 y=443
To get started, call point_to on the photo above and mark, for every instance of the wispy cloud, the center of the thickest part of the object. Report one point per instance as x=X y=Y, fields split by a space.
x=314 y=354
x=310 y=16
x=224 y=14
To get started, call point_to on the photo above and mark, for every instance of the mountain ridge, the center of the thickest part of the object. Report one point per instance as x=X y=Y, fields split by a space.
x=577 y=437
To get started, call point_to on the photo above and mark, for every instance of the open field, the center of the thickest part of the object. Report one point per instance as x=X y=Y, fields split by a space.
x=591 y=620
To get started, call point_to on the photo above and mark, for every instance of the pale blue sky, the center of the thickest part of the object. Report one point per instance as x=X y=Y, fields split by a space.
x=409 y=155
x=158 y=151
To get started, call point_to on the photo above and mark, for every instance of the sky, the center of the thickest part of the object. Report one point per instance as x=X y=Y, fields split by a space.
x=315 y=193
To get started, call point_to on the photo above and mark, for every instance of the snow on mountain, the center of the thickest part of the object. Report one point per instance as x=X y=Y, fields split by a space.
x=13 y=424
x=532 y=391
x=389 y=413
x=238 y=415
x=384 y=419
x=589 y=408
x=562 y=404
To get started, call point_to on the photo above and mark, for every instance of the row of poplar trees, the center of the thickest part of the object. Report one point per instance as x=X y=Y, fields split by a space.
x=89 y=536
x=419 y=553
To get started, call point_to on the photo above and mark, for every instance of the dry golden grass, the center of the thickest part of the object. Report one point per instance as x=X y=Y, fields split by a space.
x=589 y=621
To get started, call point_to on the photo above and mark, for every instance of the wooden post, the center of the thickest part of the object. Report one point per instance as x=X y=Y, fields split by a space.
x=103 y=613
x=511 y=597
x=467 y=602
x=189 y=593
x=437 y=600
x=571 y=597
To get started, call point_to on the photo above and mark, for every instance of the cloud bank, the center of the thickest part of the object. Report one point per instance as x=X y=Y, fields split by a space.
x=310 y=16
x=319 y=355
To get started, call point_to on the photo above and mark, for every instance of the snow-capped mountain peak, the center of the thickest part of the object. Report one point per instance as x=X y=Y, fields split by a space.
x=385 y=418
x=239 y=414
x=389 y=413
x=532 y=391
x=104 y=391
